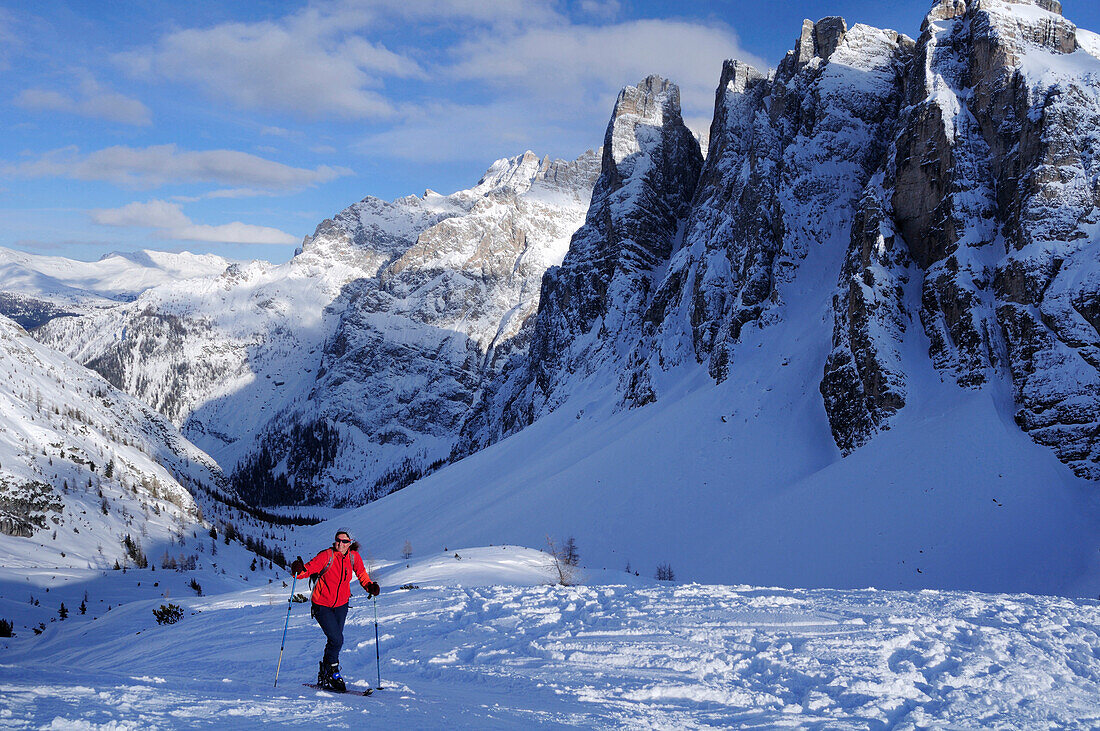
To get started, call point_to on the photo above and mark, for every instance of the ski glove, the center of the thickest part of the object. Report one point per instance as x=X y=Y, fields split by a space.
x=298 y=566
x=372 y=588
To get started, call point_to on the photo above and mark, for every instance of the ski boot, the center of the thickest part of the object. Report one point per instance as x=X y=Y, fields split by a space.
x=328 y=676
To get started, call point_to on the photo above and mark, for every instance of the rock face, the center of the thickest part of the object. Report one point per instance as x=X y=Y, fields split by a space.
x=590 y=307
x=789 y=157
x=340 y=374
x=989 y=186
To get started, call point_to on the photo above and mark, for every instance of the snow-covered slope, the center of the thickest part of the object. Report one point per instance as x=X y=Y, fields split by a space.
x=608 y=655
x=82 y=464
x=739 y=483
x=100 y=496
x=337 y=374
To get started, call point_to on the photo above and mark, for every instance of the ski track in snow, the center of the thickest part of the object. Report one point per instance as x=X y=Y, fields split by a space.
x=641 y=655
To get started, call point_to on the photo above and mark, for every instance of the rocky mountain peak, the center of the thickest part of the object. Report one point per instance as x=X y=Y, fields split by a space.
x=818 y=40
x=944 y=10
x=516 y=173
x=652 y=104
x=651 y=99
x=590 y=307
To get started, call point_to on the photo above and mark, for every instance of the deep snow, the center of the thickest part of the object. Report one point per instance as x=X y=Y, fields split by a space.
x=482 y=644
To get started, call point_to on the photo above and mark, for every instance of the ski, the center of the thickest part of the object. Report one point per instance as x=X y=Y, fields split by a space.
x=349 y=691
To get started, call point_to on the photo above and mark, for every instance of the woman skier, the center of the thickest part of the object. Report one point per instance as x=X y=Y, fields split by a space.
x=333 y=569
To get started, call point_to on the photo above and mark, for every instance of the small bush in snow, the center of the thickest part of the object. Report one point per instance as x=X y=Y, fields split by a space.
x=6 y=628
x=196 y=586
x=665 y=572
x=299 y=599
x=563 y=572
x=168 y=614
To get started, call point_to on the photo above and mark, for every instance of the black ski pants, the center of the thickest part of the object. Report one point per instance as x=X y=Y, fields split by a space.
x=331 y=620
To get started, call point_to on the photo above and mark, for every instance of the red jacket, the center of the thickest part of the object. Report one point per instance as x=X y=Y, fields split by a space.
x=333 y=588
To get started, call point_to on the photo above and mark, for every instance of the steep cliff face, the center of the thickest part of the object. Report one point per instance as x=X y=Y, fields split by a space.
x=590 y=307
x=789 y=157
x=987 y=183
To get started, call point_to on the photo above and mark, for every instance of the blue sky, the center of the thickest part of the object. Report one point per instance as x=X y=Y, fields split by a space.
x=235 y=128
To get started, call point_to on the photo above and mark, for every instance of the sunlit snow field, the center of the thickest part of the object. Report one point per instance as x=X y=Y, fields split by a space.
x=485 y=642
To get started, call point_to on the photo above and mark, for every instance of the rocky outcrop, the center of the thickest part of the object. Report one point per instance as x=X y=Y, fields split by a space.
x=865 y=379
x=789 y=158
x=26 y=507
x=991 y=195
x=590 y=307
x=987 y=182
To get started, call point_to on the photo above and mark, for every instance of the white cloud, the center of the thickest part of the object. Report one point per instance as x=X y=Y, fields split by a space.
x=573 y=63
x=234 y=233
x=174 y=224
x=498 y=16
x=10 y=38
x=310 y=65
x=554 y=89
x=328 y=60
x=154 y=214
x=236 y=193
x=445 y=132
x=90 y=100
x=600 y=8
x=278 y=132
x=163 y=164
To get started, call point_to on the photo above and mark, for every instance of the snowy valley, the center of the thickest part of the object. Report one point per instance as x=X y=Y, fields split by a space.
x=850 y=349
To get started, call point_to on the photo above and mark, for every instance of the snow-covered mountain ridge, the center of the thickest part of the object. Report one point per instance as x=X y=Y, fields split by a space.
x=83 y=460
x=943 y=179
x=352 y=365
x=35 y=289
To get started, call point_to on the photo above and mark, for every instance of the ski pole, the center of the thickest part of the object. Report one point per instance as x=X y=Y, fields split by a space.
x=377 y=654
x=289 y=604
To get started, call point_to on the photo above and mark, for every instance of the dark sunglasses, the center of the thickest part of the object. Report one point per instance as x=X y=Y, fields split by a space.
x=343 y=540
